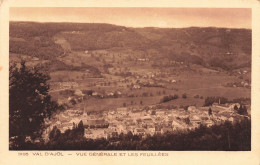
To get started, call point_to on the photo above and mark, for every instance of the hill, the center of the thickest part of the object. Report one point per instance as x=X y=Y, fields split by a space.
x=211 y=47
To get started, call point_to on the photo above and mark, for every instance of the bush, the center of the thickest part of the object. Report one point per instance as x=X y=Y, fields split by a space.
x=87 y=92
x=185 y=107
x=169 y=98
x=145 y=94
x=73 y=102
x=196 y=96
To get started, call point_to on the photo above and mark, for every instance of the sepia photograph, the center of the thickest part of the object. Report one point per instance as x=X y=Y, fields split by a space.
x=130 y=78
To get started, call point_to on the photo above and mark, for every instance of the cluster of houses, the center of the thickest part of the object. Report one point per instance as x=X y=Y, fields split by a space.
x=144 y=121
x=242 y=72
x=239 y=84
x=143 y=59
x=107 y=94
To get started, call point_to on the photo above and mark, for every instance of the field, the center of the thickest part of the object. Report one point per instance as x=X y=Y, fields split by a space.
x=193 y=81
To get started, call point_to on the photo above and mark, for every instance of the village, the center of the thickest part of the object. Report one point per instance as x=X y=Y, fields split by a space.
x=143 y=121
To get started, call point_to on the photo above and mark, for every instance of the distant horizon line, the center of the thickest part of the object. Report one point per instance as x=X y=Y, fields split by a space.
x=135 y=26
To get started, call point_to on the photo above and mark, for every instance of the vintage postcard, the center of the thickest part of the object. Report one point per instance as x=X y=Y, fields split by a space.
x=122 y=82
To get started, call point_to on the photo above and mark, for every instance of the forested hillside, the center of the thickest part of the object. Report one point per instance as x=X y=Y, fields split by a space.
x=215 y=47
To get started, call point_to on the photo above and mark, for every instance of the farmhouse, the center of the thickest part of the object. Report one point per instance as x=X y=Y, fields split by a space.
x=122 y=110
x=136 y=87
x=195 y=119
x=139 y=131
x=98 y=133
x=209 y=123
x=176 y=125
x=166 y=130
x=78 y=93
x=191 y=108
x=94 y=94
x=110 y=94
x=151 y=129
x=157 y=130
x=110 y=132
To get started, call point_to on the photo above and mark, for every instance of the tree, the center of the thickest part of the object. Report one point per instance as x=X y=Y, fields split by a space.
x=153 y=112
x=210 y=111
x=54 y=134
x=209 y=101
x=29 y=101
x=242 y=110
x=186 y=107
x=184 y=95
x=187 y=120
x=175 y=96
x=73 y=101
x=80 y=129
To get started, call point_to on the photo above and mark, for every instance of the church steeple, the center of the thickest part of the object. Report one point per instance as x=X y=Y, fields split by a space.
x=85 y=114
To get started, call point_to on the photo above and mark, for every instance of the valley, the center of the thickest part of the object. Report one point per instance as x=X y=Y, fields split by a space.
x=100 y=68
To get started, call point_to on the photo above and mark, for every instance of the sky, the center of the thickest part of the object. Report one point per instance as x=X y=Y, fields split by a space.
x=138 y=17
